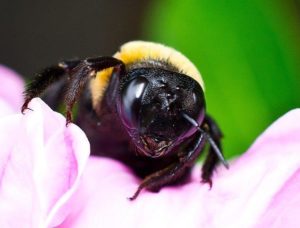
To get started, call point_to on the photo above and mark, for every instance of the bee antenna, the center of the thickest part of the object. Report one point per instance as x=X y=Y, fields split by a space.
x=209 y=139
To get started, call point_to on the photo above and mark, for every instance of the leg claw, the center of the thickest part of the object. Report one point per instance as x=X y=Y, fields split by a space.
x=208 y=181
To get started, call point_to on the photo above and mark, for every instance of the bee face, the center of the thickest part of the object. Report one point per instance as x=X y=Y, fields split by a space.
x=151 y=104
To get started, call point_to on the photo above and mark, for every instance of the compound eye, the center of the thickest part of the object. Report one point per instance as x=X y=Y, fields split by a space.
x=198 y=104
x=131 y=101
x=194 y=106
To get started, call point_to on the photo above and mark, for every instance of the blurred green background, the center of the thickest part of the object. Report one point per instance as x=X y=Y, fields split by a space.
x=248 y=53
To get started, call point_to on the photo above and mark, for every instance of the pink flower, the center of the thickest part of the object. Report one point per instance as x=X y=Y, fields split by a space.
x=45 y=181
x=41 y=162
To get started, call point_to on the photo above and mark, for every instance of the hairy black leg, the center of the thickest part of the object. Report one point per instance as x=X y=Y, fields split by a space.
x=168 y=175
x=44 y=78
x=212 y=158
x=82 y=73
x=79 y=72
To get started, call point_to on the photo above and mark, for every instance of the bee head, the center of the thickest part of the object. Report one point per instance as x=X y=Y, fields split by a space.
x=151 y=104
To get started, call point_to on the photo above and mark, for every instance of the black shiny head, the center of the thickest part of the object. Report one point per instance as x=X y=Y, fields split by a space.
x=151 y=104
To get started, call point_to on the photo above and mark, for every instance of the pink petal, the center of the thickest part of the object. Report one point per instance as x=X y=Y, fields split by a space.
x=11 y=89
x=283 y=211
x=41 y=162
x=260 y=174
x=5 y=108
x=251 y=193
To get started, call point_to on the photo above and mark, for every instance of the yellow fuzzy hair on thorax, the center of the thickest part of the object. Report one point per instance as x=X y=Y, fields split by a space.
x=135 y=51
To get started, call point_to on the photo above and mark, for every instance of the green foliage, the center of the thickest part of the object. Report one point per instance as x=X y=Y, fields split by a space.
x=247 y=52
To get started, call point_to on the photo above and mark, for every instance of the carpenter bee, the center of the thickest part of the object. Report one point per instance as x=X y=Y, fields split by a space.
x=144 y=106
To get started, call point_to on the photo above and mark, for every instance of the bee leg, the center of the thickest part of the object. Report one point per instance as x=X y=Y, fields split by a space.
x=80 y=74
x=45 y=78
x=212 y=159
x=174 y=171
